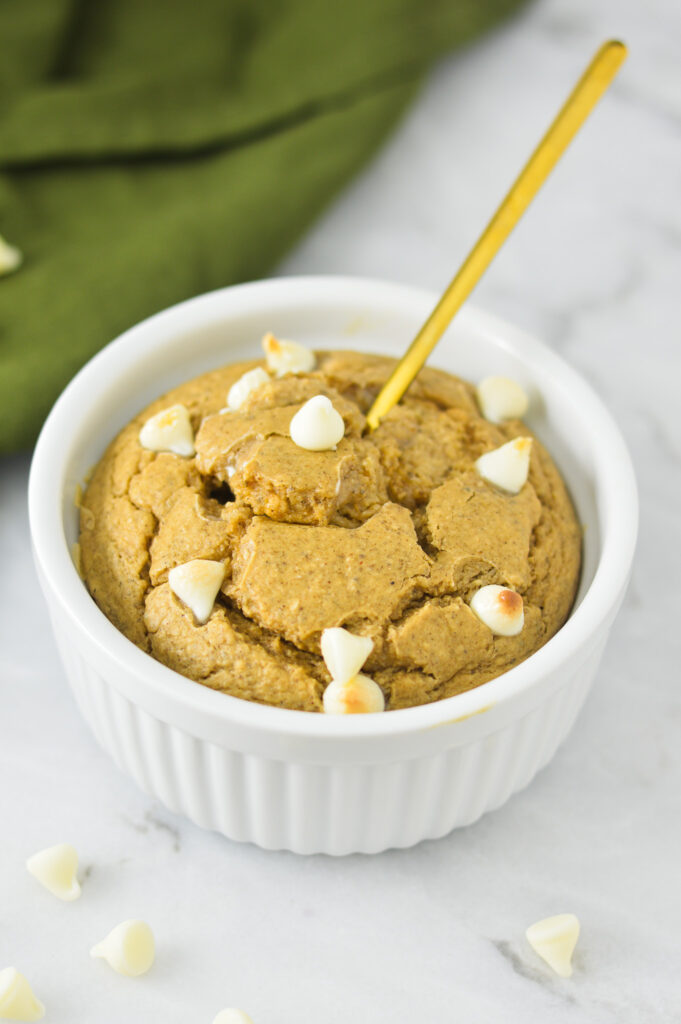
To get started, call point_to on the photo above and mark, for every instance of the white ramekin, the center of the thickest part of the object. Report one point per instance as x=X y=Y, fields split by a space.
x=290 y=779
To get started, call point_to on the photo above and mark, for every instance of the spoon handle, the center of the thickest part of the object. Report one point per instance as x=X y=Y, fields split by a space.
x=579 y=104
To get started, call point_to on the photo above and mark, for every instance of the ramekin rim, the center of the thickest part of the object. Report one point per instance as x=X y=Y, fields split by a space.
x=612 y=461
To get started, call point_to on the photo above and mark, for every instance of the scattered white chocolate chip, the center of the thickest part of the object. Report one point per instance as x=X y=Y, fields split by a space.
x=169 y=431
x=241 y=389
x=55 y=868
x=287 y=356
x=359 y=696
x=129 y=948
x=17 y=1001
x=10 y=257
x=507 y=467
x=230 y=1016
x=500 y=609
x=554 y=940
x=344 y=653
x=317 y=426
x=500 y=399
x=196 y=583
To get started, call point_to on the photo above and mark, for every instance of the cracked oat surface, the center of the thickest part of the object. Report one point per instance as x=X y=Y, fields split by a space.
x=389 y=536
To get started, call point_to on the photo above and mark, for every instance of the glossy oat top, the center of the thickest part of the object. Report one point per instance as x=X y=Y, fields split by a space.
x=402 y=536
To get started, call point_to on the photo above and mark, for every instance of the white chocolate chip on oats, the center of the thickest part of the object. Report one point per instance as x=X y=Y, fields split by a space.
x=55 y=868
x=554 y=940
x=500 y=609
x=169 y=431
x=129 y=948
x=17 y=1001
x=317 y=426
x=230 y=1016
x=501 y=399
x=10 y=257
x=241 y=389
x=344 y=653
x=507 y=467
x=196 y=583
x=287 y=356
x=359 y=696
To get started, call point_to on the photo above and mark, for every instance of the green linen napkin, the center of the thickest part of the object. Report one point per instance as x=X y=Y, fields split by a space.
x=154 y=149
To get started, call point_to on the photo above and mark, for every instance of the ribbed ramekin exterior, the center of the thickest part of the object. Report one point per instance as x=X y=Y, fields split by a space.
x=323 y=808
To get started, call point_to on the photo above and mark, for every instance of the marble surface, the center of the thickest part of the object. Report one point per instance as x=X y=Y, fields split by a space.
x=434 y=934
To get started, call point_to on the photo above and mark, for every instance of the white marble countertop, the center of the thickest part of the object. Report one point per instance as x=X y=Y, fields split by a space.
x=433 y=934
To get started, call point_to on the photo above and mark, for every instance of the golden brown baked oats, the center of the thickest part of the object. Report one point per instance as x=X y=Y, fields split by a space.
x=389 y=535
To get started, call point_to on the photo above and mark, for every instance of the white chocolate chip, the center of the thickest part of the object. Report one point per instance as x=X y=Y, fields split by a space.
x=359 y=696
x=344 y=653
x=317 y=426
x=241 y=389
x=500 y=609
x=196 y=583
x=17 y=1001
x=55 y=868
x=501 y=399
x=554 y=940
x=230 y=1016
x=129 y=948
x=287 y=356
x=507 y=467
x=10 y=257
x=169 y=431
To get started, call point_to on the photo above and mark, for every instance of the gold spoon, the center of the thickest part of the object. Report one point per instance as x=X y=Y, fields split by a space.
x=567 y=123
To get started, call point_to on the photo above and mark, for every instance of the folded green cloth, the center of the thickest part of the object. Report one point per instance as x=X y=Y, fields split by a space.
x=154 y=149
